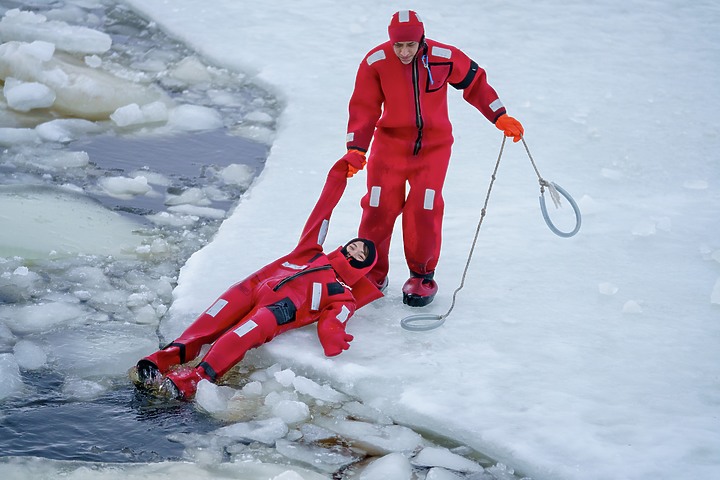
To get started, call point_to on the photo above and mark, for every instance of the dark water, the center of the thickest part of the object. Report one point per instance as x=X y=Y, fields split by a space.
x=122 y=425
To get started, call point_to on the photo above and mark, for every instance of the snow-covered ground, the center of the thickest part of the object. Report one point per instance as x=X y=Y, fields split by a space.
x=593 y=357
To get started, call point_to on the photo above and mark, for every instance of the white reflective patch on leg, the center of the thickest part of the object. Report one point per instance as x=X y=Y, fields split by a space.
x=429 y=199
x=323 y=231
x=245 y=328
x=350 y=137
x=344 y=314
x=217 y=306
x=316 y=295
x=496 y=105
x=374 y=196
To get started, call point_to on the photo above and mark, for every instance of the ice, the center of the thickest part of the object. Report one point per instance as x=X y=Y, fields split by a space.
x=25 y=96
x=442 y=457
x=29 y=355
x=191 y=70
x=84 y=390
x=66 y=129
x=394 y=465
x=213 y=398
x=98 y=350
x=238 y=174
x=374 y=439
x=12 y=468
x=320 y=392
x=437 y=473
x=285 y=377
x=291 y=412
x=365 y=413
x=194 y=196
x=14 y=136
x=194 y=118
x=124 y=187
x=134 y=114
x=191 y=210
x=264 y=431
x=632 y=307
x=326 y=460
x=28 y=26
x=43 y=317
x=10 y=381
x=39 y=224
x=607 y=288
x=54 y=161
x=80 y=91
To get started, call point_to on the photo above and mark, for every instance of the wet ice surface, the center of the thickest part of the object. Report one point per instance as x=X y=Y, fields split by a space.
x=98 y=215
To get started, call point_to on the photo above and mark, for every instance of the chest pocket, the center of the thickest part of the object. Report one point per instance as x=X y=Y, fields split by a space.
x=440 y=73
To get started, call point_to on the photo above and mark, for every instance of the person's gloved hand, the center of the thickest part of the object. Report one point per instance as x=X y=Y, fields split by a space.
x=511 y=127
x=333 y=338
x=355 y=160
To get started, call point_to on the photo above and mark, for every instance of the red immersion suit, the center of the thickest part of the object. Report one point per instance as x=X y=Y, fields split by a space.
x=298 y=289
x=403 y=110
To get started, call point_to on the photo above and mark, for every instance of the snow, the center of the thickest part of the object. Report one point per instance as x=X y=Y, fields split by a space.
x=587 y=358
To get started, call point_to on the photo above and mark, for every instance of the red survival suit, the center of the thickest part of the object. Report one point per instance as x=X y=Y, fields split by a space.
x=296 y=290
x=403 y=110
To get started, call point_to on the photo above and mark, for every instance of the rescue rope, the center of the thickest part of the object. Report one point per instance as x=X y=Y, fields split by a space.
x=429 y=321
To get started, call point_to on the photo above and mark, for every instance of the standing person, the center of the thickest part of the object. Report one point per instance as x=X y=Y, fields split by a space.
x=301 y=288
x=400 y=104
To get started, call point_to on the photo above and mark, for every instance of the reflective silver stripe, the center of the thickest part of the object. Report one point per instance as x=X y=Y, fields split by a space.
x=316 y=294
x=441 y=52
x=245 y=328
x=350 y=137
x=496 y=105
x=323 y=231
x=404 y=16
x=429 y=199
x=379 y=55
x=344 y=314
x=374 y=196
x=293 y=266
x=217 y=306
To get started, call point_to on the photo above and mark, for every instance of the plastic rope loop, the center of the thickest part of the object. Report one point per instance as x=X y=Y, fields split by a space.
x=550 y=224
x=422 y=322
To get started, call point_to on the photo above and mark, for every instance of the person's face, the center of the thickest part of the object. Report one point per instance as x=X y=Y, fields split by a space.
x=357 y=250
x=406 y=51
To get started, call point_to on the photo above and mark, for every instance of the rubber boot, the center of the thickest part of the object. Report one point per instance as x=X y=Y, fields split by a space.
x=151 y=368
x=419 y=290
x=182 y=384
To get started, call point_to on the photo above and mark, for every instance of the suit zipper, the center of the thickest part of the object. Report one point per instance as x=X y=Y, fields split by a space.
x=294 y=276
x=418 y=113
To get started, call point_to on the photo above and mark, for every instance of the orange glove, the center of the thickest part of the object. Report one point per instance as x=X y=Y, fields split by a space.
x=511 y=127
x=355 y=160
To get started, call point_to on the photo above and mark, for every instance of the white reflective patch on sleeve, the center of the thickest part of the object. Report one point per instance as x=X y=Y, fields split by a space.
x=441 y=52
x=344 y=314
x=245 y=328
x=374 y=196
x=496 y=105
x=316 y=295
x=217 y=306
x=350 y=137
x=379 y=55
x=429 y=199
x=323 y=231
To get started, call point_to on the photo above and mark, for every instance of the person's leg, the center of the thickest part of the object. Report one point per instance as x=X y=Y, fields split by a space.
x=422 y=224
x=232 y=305
x=382 y=204
x=258 y=327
